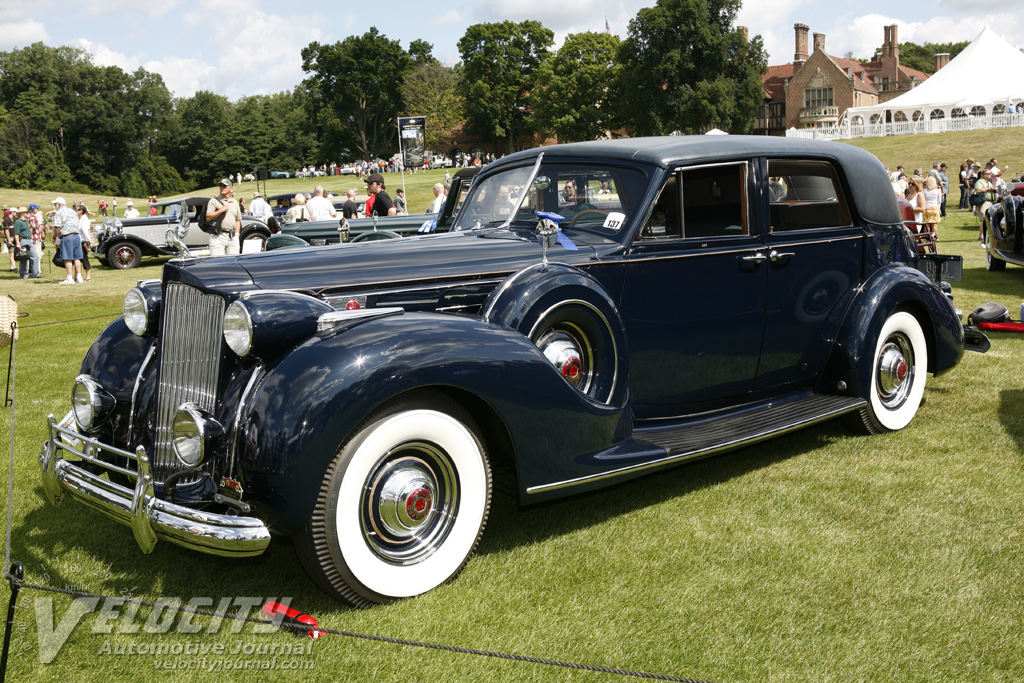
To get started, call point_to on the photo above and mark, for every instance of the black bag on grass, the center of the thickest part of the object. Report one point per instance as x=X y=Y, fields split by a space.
x=990 y=312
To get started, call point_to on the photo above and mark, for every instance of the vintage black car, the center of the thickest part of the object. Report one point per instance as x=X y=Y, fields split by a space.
x=599 y=311
x=123 y=242
x=1002 y=227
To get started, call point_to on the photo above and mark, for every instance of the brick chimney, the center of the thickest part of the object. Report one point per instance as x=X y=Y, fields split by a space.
x=744 y=32
x=819 y=42
x=894 y=43
x=941 y=60
x=800 y=56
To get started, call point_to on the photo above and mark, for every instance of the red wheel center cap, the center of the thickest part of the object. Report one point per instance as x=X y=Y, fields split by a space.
x=901 y=371
x=571 y=369
x=417 y=505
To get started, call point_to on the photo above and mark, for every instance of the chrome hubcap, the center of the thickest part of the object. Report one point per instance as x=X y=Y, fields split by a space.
x=125 y=256
x=895 y=371
x=570 y=356
x=409 y=503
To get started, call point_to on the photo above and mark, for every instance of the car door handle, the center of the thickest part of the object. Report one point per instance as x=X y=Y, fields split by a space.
x=776 y=255
x=754 y=258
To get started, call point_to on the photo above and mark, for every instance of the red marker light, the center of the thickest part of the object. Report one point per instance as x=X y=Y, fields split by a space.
x=352 y=305
x=293 y=616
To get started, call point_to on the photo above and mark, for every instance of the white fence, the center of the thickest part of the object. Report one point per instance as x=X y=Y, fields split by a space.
x=845 y=130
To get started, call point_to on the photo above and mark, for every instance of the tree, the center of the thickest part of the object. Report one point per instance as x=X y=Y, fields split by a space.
x=499 y=61
x=421 y=52
x=358 y=80
x=684 y=67
x=433 y=91
x=203 y=132
x=572 y=87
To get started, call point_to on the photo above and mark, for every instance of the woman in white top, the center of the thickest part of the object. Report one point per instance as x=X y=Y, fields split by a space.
x=85 y=230
x=915 y=195
x=932 y=205
x=298 y=213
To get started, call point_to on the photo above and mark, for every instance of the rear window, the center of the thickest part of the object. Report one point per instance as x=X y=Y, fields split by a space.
x=805 y=195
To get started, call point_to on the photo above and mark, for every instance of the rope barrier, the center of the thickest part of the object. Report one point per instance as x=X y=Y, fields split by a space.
x=74 y=320
x=15 y=581
x=15 y=576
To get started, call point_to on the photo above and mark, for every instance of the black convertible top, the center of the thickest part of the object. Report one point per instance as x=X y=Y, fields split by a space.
x=868 y=181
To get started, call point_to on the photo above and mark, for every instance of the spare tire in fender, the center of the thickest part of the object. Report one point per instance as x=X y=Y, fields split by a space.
x=574 y=323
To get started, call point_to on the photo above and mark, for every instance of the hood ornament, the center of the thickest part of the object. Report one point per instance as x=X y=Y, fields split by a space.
x=548 y=233
x=176 y=234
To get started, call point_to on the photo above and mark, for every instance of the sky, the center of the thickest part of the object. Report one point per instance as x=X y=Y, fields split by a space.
x=251 y=47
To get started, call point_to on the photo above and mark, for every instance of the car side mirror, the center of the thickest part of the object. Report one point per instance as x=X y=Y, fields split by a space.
x=541 y=182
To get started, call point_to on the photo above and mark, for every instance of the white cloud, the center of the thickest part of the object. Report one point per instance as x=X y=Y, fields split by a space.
x=22 y=33
x=183 y=76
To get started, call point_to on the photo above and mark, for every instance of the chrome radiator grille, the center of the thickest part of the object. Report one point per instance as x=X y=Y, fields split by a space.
x=190 y=349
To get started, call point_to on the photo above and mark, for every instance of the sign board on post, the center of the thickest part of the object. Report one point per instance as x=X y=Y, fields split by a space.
x=413 y=141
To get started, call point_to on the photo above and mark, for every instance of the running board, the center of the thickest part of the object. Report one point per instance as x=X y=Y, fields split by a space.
x=750 y=427
x=652 y=449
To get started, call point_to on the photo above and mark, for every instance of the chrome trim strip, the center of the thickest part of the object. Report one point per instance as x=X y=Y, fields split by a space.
x=329 y=321
x=330 y=298
x=634 y=258
x=696 y=455
x=135 y=392
x=243 y=408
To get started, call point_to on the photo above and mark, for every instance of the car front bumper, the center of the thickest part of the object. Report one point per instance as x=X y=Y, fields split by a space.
x=149 y=517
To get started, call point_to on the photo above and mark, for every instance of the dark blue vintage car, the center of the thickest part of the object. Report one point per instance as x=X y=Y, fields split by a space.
x=597 y=312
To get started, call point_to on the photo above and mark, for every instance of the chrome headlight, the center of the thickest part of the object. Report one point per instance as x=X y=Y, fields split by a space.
x=136 y=311
x=194 y=434
x=142 y=307
x=90 y=403
x=238 y=328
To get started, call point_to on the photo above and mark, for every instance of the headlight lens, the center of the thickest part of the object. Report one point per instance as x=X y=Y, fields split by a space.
x=195 y=434
x=238 y=329
x=90 y=403
x=136 y=311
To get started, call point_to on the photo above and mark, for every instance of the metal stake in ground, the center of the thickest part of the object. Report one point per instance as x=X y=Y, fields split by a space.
x=16 y=575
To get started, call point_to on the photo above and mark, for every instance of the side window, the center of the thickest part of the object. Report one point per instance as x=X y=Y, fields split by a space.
x=701 y=202
x=805 y=195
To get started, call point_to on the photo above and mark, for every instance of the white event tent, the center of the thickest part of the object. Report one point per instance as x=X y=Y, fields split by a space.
x=987 y=78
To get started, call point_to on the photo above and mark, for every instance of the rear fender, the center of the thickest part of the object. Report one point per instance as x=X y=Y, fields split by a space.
x=897 y=287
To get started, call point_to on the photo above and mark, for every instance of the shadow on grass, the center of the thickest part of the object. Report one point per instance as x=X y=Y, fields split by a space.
x=1011 y=415
x=76 y=548
x=510 y=526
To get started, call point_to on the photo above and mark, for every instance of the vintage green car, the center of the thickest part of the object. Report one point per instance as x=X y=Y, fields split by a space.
x=319 y=233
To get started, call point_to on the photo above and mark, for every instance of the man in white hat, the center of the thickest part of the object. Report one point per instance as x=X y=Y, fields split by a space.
x=130 y=211
x=258 y=207
x=65 y=223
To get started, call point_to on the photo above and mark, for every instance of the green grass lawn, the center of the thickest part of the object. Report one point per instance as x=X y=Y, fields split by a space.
x=819 y=556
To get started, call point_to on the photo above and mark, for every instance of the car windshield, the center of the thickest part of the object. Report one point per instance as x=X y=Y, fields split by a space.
x=590 y=196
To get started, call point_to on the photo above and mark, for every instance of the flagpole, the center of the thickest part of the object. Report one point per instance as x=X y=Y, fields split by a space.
x=401 y=154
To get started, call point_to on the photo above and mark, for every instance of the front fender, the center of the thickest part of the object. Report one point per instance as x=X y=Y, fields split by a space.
x=313 y=399
x=895 y=287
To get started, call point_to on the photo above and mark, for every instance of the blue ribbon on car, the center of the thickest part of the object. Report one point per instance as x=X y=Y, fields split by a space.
x=429 y=225
x=562 y=238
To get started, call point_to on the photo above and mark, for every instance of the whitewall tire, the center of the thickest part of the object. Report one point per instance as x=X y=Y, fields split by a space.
x=403 y=504
x=898 y=375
